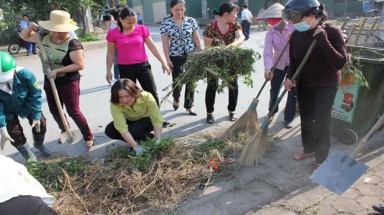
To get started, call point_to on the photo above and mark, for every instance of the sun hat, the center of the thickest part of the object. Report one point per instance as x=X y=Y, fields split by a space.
x=7 y=66
x=59 y=21
x=274 y=11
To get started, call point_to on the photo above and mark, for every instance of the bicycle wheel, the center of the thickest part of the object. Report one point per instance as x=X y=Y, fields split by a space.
x=14 y=48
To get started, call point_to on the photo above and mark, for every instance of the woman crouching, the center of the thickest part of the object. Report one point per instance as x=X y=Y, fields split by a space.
x=135 y=114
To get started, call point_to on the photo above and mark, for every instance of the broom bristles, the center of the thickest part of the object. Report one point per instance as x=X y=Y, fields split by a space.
x=249 y=121
x=255 y=149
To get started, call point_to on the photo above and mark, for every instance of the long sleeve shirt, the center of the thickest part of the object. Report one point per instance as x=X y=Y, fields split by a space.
x=274 y=44
x=25 y=99
x=326 y=60
x=145 y=106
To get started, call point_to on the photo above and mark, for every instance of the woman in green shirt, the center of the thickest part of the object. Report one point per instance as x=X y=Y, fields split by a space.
x=135 y=114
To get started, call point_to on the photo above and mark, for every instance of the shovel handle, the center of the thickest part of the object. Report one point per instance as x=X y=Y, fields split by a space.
x=52 y=82
x=366 y=138
x=350 y=33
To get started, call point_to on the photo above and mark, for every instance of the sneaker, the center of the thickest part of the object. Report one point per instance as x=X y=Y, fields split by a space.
x=210 y=119
x=288 y=124
x=232 y=117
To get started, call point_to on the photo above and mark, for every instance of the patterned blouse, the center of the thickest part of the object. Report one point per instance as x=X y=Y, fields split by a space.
x=180 y=38
x=212 y=31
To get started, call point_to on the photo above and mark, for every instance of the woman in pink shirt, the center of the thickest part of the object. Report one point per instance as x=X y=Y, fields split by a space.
x=275 y=40
x=129 y=39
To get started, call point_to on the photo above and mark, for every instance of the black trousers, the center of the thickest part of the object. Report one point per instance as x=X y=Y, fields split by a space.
x=143 y=73
x=177 y=63
x=139 y=129
x=246 y=26
x=17 y=133
x=210 y=94
x=22 y=205
x=315 y=104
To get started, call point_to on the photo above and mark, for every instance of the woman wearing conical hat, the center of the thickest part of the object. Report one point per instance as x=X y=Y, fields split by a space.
x=275 y=40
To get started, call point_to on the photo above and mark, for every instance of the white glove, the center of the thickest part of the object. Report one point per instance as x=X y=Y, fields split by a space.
x=36 y=125
x=4 y=137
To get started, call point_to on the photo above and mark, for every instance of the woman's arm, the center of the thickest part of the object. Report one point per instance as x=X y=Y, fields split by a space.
x=239 y=38
x=165 y=41
x=129 y=139
x=28 y=34
x=207 y=41
x=152 y=47
x=157 y=130
x=109 y=61
x=196 y=40
x=77 y=58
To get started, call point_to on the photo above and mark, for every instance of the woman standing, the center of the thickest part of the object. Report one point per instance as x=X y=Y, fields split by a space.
x=318 y=82
x=129 y=39
x=66 y=58
x=180 y=38
x=275 y=40
x=225 y=30
x=135 y=114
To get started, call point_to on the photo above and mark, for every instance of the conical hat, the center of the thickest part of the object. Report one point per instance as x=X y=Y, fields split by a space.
x=274 y=11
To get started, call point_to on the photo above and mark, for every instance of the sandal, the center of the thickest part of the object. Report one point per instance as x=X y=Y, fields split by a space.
x=302 y=155
x=89 y=144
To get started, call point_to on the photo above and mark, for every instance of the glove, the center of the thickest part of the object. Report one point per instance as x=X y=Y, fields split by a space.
x=4 y=137
x=139 y=150
x=36 y=125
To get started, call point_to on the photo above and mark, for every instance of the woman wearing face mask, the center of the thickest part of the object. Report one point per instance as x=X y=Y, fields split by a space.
x=222 y=31
x=318 y=82
x=275 y=40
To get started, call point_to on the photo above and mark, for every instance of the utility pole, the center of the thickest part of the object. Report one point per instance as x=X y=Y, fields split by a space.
x=204 y=7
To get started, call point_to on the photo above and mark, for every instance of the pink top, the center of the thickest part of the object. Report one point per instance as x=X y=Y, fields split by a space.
x=274 y=44
x=130 y=46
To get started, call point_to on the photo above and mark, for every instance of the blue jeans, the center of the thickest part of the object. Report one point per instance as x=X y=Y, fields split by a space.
x=30 y=46
x=276 y=83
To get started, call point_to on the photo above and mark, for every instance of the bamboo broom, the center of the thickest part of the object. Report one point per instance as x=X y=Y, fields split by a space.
x=257 y=145
x=249 y=121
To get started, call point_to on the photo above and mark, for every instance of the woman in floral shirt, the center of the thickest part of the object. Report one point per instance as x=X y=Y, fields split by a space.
x=180 y=38
x=224 y=31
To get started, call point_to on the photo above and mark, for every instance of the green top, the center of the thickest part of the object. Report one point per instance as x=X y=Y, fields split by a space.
x=145 y=106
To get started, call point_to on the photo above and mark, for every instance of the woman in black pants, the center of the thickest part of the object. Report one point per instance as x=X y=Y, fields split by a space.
x=180 y=38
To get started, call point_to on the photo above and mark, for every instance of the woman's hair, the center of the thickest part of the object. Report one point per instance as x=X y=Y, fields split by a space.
x=126 y=11
x=225 y=8
x=318 y=12
x=124 y=84
x=175 y=2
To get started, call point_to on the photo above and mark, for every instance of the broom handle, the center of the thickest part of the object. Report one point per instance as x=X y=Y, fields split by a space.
x=273 y=68
x=297 y=73
x=52 y=82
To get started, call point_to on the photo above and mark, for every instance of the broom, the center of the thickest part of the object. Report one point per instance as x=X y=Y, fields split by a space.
x=257 y=145
x=249 y=121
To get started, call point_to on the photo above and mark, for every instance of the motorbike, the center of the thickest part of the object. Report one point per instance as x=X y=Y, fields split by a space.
x=16 y=44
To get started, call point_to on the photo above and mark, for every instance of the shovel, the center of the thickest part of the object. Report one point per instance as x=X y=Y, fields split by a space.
x=338 y=172
x=69 y=135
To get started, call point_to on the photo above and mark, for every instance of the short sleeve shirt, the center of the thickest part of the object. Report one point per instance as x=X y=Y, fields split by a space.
x=180 y=37
x=131 y=47
x=221 y=38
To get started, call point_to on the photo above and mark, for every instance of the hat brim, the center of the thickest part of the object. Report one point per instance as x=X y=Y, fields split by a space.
x=65 y=27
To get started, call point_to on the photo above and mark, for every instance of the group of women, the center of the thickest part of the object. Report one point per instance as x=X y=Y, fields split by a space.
x=135 y=111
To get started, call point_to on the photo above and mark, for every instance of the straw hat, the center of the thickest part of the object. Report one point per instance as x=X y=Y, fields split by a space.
x=60 y=21
x=274 y=11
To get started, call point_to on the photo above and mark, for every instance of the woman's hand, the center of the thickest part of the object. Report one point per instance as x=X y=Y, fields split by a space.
x=108 y=77
x=166 y=69
x=268 y=75
x=170 y=65
x=53 y=74
x=288 y=84
x=318 y=30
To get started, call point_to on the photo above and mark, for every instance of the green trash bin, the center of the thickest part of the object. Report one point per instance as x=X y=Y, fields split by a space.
x=356 y=109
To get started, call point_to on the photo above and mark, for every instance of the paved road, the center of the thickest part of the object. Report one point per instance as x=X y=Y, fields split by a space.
x=278 y=185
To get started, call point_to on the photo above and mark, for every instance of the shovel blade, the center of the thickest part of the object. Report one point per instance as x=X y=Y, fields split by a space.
x=338 y=172
x=69 y=137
